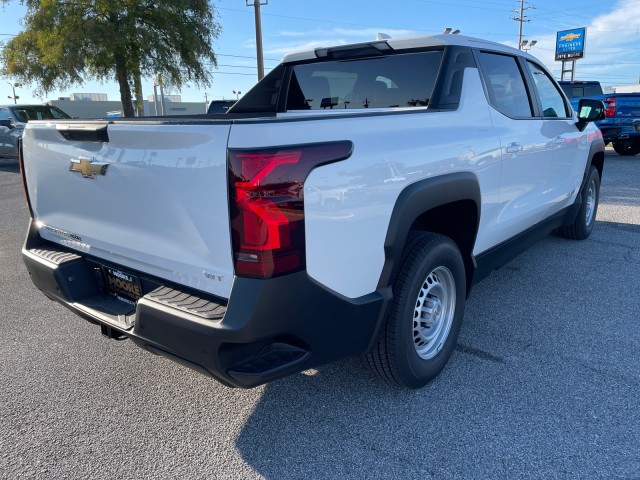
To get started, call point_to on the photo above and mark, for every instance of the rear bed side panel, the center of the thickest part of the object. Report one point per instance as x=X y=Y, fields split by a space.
x=160 y=208
x=348 y=204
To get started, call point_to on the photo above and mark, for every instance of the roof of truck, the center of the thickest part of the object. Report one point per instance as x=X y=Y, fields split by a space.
x=405 y=43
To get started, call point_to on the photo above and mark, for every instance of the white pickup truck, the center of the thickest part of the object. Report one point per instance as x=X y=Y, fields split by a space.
x=346 y=205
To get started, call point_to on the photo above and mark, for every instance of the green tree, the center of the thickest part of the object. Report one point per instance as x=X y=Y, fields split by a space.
x=66 y=41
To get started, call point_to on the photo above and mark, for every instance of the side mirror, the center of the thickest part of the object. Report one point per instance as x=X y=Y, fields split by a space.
x=6 y=122
x=589 y=110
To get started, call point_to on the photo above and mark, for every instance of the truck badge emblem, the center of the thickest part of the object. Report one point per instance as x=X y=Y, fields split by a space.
x=88 y=168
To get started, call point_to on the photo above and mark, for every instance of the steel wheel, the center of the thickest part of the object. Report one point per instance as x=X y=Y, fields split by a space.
x=434 y=312
x=425 y=314
x=592 y=194
x=585 y=219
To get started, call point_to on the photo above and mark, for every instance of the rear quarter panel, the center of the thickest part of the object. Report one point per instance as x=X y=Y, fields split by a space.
x=348 y=204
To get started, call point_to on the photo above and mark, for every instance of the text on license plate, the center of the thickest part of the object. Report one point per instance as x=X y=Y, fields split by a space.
x=122 y=283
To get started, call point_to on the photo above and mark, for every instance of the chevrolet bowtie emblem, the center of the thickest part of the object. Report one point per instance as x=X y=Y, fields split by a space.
x=88 y=168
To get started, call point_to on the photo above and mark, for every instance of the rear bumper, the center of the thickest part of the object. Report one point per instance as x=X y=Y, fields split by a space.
x=266 y=330
x=620 y=132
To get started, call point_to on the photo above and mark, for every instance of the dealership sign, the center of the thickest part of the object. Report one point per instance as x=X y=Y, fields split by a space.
x=570 y=44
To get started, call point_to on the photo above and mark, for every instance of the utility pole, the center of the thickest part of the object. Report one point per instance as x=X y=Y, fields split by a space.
x=256 y=4
x=521 y=18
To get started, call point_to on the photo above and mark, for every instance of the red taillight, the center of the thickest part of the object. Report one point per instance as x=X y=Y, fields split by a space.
x=22 y=175
x=610 y=111
x=267 y=208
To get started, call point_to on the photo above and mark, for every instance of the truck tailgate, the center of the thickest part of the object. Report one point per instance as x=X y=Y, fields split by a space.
x=153 y=197
x=628 y=106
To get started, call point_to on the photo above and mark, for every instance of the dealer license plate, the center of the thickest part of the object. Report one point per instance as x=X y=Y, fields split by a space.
x=122 y=283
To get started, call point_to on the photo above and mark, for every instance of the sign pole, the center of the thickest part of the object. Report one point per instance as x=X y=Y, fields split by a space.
x=571 y=69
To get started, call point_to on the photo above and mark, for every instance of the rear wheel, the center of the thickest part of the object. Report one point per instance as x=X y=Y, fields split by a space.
x=627 y=147
x=586 y=217
x=425 y=315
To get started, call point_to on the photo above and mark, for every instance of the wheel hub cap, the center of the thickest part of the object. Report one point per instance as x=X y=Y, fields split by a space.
x=434 y=312
x=591 y=201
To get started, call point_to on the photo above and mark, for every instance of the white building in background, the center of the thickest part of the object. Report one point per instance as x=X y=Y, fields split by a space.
x=167 y=98
x=88 y=97
x=627 y=89
x=97 y=105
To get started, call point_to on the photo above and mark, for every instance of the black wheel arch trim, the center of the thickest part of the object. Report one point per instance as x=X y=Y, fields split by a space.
x=597 y=147
x=596 y=158
x=419 y=198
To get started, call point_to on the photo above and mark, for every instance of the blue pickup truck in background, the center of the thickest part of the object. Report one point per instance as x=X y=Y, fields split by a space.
x=621 y=125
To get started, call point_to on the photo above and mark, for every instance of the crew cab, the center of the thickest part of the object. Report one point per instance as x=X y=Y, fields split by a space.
x=346 y=205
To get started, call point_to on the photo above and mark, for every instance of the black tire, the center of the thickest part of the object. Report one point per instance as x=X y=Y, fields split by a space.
x=428 y=293
x=627 y=148
x=586 y=218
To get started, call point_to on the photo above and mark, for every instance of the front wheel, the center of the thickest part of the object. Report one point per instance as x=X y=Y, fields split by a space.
x=426 y=313
x=627 y=148
x=586 y=217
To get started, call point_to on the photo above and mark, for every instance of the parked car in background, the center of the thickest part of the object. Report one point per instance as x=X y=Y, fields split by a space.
x=621 y=125
x=220 y=106
x=13 y=118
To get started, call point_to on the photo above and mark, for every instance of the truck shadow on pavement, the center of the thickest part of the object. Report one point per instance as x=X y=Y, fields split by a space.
x=527 y=392
x=339 y=421
x=628 y=227
x=9 y=166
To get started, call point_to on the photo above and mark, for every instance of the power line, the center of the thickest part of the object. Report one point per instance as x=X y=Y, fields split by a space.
x=235 y=73
x=234 y=66
x=244 y=56
x=328 y=21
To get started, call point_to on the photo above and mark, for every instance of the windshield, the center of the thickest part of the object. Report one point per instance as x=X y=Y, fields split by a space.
x=38 y=112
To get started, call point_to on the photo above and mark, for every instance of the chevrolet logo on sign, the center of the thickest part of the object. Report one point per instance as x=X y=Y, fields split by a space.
x=88 y=168
x=569 y=37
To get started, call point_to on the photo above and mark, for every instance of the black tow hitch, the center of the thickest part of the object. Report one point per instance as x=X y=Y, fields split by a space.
x=109 y=332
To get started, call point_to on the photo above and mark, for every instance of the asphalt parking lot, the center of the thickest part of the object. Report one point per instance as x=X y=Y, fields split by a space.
x=544 y=383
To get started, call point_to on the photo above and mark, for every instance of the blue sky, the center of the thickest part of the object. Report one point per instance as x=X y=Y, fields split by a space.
x=612 y=53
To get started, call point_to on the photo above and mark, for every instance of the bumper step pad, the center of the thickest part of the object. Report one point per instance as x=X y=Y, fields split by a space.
x=187 y=303
x=55 y=256
x=74 y=278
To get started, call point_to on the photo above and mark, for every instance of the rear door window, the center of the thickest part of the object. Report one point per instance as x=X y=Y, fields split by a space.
x=553 y=105
x=505 y=85
x=394 y=81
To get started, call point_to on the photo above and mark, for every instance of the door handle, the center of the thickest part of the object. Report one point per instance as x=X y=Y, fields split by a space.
x=513 y=148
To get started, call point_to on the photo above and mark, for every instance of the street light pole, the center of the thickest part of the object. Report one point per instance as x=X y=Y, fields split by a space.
x=13 y=88
x=525 y=45
x=256 y=5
